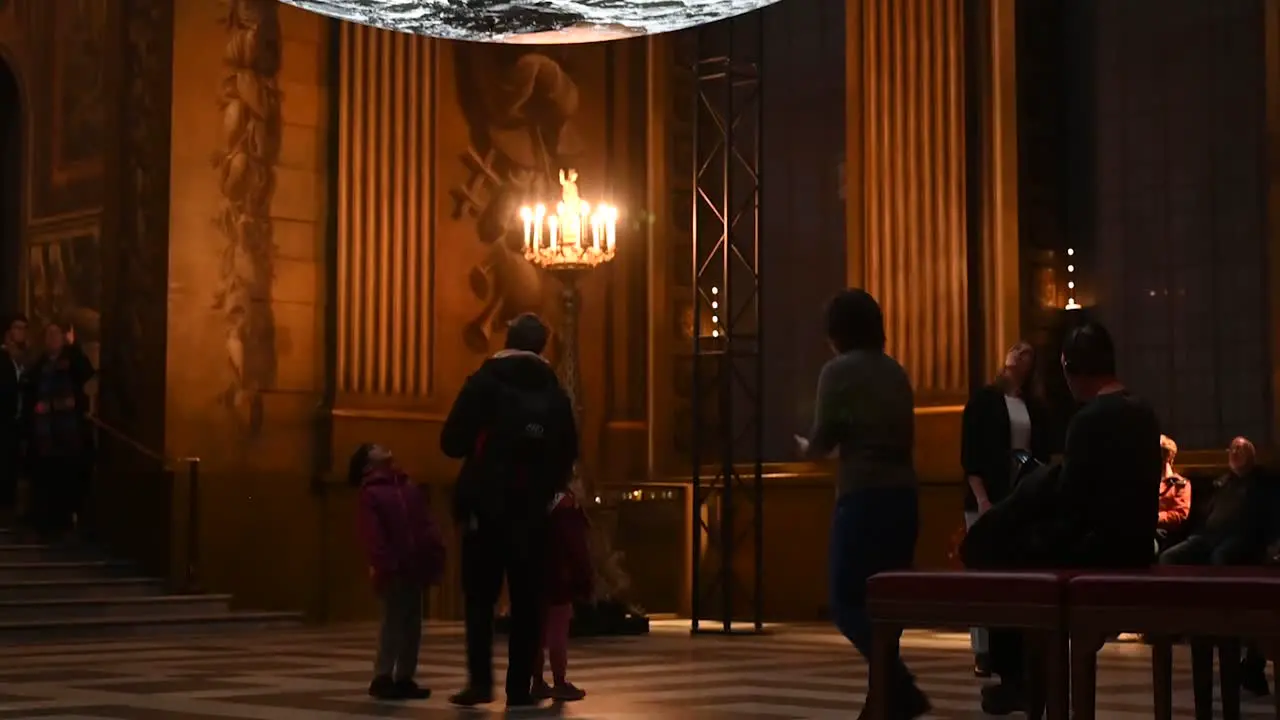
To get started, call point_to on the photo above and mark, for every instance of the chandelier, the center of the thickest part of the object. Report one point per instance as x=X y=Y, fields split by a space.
x=576 y=235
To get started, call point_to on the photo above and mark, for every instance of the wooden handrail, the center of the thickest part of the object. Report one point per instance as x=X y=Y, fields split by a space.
x=170 y=463
x=191 y=583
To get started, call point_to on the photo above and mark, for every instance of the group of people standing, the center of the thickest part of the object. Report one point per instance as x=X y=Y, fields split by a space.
x=1051 y=517
x=45 y=433
x=1114 y=500
x=518 y=518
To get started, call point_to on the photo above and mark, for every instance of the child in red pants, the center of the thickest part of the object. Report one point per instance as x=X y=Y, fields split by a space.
x=569 y=578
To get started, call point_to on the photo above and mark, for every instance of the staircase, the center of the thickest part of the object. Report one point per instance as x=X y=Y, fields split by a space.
x=49 y=593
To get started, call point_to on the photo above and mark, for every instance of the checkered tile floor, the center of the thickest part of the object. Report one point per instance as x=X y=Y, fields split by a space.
x=321 y=674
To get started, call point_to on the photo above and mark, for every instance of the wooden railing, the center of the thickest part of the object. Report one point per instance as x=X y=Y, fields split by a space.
x=173 y=466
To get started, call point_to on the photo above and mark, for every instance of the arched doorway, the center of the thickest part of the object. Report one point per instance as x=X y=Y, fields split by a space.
x=10 y=190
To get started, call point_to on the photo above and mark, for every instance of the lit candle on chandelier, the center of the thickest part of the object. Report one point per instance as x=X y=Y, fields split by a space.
x=611 y=228
x=553 y=224
x=526 y=215
x=596 y=227
x=538 y=213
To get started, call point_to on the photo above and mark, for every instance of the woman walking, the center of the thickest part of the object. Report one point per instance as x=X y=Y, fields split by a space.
x=866 y=410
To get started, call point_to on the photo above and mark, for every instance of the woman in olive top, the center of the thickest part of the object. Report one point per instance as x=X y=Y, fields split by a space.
x=1003 y=417
x=866 y=409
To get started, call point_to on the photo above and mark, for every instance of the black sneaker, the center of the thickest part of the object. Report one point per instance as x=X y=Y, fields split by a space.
x=1003 y=699
x=383 y=688
x=470 y=697
x=407 y=689
x=1253 y=680
x=914 y=703
x=522 y=701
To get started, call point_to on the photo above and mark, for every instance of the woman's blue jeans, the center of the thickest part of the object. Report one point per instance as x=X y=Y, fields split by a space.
x=873 y=530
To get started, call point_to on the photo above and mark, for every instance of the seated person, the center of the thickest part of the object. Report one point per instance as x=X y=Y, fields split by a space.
x=1095 y=510
x=1234 y=531
x=1175 y=495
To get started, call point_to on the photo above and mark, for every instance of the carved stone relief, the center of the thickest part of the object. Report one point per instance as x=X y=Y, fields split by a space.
x=250 y=106
x=520 y=106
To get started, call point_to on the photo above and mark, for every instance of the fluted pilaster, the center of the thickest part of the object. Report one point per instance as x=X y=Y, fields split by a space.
x=384 y=202
x=907 y=201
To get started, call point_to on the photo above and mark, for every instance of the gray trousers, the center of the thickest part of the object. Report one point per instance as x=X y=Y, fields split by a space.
x=977 y=636
x=401 y=631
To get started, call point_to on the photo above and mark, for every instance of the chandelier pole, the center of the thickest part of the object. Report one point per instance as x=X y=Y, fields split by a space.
x=568 y=368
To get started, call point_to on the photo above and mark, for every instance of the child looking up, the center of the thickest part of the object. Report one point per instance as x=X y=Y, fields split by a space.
x=405 y=553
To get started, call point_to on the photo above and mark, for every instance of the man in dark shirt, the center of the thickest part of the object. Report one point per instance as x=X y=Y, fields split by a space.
x=1104 y=503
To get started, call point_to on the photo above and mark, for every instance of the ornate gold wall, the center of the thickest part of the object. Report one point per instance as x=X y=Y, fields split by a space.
x=346 y=261
x=437 y=145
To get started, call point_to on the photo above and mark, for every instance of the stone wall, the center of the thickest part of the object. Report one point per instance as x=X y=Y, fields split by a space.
x=246 y=278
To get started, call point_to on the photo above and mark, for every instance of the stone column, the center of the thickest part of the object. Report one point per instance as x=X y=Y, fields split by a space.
x=907 y=187
x=385 y=306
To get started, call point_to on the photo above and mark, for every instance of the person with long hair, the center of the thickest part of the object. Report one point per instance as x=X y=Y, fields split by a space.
x=866 y=409
x=1005 y=416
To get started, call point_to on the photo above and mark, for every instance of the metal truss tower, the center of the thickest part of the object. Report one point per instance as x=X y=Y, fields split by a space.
x=727 y=443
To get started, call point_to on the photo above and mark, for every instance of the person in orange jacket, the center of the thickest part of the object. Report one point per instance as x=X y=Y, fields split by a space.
x=1175 y=492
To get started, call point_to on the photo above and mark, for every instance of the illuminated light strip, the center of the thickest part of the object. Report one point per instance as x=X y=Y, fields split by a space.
x=1071 y=282
x=715 y=319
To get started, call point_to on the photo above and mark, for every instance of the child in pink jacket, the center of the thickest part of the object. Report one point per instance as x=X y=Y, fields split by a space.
x=405 y=553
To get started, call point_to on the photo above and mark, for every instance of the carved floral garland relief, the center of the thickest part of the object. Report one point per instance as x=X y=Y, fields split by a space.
x=249 y=101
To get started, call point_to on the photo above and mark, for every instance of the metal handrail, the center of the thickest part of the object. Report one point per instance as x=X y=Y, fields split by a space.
x=190 y=584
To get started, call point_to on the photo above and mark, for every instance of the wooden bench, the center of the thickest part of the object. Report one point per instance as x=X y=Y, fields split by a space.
x=1032 y=602
x=1223 y=604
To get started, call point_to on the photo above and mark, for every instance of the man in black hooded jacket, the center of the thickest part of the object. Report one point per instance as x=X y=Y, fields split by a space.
x=513 y=426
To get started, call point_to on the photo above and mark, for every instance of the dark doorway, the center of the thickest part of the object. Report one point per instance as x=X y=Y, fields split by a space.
x=10 y=190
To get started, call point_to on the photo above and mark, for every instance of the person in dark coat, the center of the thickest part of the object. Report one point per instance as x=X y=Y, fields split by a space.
x=405 y=552
x=513 y=426
x=61 y=441
x=13 y=348
x=1007 y=415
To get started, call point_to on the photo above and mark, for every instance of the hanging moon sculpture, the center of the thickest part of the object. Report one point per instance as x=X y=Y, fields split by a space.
x=532 y=21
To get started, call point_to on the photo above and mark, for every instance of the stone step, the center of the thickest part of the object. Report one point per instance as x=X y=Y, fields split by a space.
x=120 y=607
x=61 y=570
x=145 y=626
x=80 y=588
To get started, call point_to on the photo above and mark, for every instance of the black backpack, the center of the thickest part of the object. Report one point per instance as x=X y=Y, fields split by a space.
x=516 y=455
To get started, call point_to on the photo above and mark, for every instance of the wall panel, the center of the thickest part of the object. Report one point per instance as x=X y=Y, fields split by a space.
x=907 y=208
x=384 y=254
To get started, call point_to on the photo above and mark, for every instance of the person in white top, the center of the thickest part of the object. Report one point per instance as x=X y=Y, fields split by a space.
x=1007 y=415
